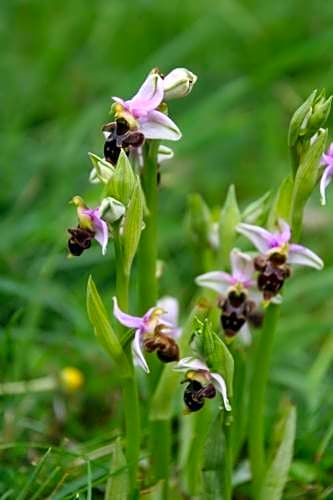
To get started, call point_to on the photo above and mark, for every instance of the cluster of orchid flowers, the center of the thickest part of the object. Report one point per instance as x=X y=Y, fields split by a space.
x=136 y=120
x=254 y=281
x=240 y=297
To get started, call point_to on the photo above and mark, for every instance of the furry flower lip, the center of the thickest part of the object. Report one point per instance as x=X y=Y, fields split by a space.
x=91 y=226
x=152 y=333
x=201 y=384
x=119 y=136
x=277 y=253
x=326 y=178
x=142 y=113
x=239 y=298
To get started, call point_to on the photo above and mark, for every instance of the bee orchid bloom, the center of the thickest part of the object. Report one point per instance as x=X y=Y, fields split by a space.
x=276 y=254
x=150 y=334
x=142 y=114
x=91 y=226
x=202 y=384
x=326 y=161
x=239 y=296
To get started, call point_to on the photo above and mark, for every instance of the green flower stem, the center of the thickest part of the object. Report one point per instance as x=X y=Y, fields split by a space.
x=147 y=255
x=129 y=385
x=227 y=461
x=261 y=363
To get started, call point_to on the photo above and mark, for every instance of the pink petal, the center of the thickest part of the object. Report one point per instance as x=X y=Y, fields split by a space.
x=215 y=280
x=159 y=126
x=100 y=227
x=149 y=96
x=222 y=388
x=126 y=319
x=285 y=233
x=304 y=257
x=137 y=351
x=260 y=237
x=324 y=182
x=241 y=265
x=171 y=306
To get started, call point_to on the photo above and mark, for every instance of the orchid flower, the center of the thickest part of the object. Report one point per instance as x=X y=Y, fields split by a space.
x=276 y=254
x=91 y=225
x=279 y=242
x=149 y=334
x=239 y=297
x=326 y=161
x=141 y=111
x=201 y=380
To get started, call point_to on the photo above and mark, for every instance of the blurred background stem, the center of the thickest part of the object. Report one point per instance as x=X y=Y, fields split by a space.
x=261 y=363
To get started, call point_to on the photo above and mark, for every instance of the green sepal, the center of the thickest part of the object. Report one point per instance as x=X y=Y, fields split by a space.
x=117 y=486
x=104 y=331
x=123 y=182
x=230 y=217
x=256 y=212
x=133 y=222
x=307 y=176
x=277 y=472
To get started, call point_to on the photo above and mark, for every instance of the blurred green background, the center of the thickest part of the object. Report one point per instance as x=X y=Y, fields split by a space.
x=61 y=61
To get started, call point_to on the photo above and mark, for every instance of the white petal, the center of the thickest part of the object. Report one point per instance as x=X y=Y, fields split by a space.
x=245 y=334
x=222 y=388
x=285 y=232
x=171 y=306
x=260 y=237
x=241 y=265
x=304 y=257
x=191 y=363
x=215 y=280
x=159 y=126
x=150 y=94
x=137 y=351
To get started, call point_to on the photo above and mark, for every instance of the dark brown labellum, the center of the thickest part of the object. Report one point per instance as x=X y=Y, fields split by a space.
x=166 y=348
x=192 y=397
x=79 y=240
x=273 y=271
x=236 y=309
x=121 y=137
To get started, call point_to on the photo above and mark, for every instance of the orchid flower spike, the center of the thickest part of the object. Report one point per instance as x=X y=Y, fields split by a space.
x=152 y=333
x=201 y=384
x=141 y=111
x=276 y=254
x=239 y=297
x=91 y=226
x=326 y=161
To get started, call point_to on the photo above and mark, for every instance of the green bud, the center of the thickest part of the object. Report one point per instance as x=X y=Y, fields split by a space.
x=123 y=181
x=320 y=113
x=111 y=209
x=102 y=170
x=299 y=120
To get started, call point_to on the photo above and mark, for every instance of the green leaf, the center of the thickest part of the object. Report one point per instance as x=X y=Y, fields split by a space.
x=229 y=219
x=306 y=179
x=277 y=473
x=215 y=353
x=132 y=227
x=123 y=181
x=282 y=202
x=103 y=330
x=102 y=170
x=117 y=487
x=213 y=460
x=256 y=212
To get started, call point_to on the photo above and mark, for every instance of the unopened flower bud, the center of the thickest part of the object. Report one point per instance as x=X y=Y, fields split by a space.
x=111 y=210
x=178 y=83
x=319 y=115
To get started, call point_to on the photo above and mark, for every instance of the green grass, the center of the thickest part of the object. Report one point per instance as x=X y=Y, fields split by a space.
x=60 y=64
